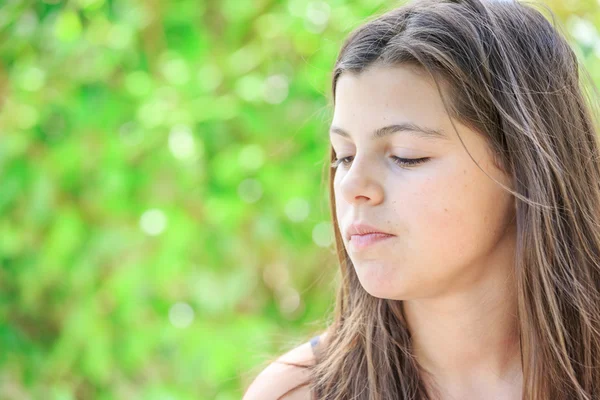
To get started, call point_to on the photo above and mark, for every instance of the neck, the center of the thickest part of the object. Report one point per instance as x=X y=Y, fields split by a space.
x=469 y=339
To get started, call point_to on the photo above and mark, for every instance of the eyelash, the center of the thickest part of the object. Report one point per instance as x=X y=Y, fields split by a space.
x=402 y=162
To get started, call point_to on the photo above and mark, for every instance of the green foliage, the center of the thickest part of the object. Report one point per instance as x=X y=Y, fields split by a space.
x=165 y=230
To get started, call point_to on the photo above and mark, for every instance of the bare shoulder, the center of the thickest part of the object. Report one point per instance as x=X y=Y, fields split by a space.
x=278 y=378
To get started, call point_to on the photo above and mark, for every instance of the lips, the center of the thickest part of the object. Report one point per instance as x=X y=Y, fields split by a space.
x=362 y=242
x=361 y=228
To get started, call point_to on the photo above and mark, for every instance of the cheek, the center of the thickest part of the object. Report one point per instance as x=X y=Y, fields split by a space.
x=340 y=205
x=449 y=214
x=456 y=219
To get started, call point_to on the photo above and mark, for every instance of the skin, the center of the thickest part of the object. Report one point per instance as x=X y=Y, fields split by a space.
x=451 y=260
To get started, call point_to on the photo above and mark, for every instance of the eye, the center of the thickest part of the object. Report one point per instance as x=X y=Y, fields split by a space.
x=338 y=161
x=403 y=162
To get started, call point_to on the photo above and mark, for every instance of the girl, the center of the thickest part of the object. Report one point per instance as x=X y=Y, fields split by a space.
x=465 y=196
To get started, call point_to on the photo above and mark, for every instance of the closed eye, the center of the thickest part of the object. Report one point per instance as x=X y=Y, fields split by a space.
x=403 y=162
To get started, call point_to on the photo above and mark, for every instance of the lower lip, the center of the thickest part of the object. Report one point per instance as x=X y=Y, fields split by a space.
x=360 y=242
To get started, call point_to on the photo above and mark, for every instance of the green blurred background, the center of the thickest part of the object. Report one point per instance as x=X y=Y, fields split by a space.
x=164 y=229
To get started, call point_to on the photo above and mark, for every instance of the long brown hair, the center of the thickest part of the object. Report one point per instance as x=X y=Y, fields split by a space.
x=511 y=75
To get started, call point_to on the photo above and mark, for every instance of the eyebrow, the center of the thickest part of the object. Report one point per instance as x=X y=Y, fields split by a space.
x=408 y=127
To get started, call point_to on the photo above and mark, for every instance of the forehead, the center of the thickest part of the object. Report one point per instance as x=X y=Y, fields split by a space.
x=381 y=95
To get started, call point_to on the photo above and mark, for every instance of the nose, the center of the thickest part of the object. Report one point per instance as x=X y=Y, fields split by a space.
x=361 y=182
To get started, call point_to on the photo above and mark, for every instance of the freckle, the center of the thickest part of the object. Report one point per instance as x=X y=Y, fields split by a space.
x=445 y=209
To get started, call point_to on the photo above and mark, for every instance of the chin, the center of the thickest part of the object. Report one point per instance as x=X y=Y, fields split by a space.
x=379 y=294
x=390 y=289
x=381 y=290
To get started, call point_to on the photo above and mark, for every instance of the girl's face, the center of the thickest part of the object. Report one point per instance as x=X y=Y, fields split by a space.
x=453 y=225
